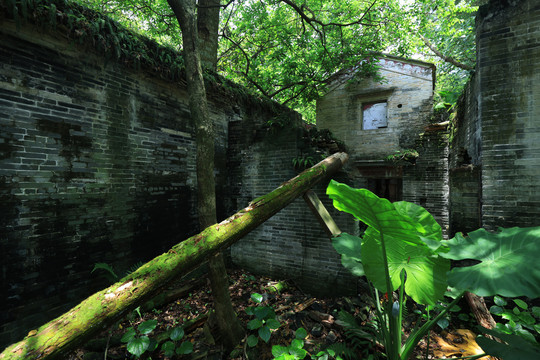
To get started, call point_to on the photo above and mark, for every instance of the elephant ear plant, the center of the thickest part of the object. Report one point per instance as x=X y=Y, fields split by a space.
x=403 y=250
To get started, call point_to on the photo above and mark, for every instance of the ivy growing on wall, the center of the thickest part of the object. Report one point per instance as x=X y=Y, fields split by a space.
x=86 y=27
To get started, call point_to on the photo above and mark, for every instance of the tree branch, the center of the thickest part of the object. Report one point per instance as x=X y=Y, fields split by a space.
x=214 y=6
x=312 y=19
x=448 y=59
x=248 y=62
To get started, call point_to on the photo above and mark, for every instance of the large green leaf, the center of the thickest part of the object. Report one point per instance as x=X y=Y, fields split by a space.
x=425 y=224
x=254 y=324
x=429 y=230
x=402 y=226
x=425 y=280
x=264 y=333
x=378 y=213
x=515 y=348
x=168 y=348
x=278 y=350
x=177 y=333
x=129 y=335
x=349 y=248
x=147 y=326
x=185 y=348
x=508 y=262
x=138 y=346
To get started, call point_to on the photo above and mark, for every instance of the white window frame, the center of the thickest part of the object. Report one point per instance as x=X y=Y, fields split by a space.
x=378 y=111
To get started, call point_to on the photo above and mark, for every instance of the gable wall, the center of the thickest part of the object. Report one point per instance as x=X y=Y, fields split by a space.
x=408 y=90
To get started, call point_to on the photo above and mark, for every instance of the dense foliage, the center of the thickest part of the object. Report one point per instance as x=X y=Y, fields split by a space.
x=402 y=251
x=441 y=32
x=287 y=50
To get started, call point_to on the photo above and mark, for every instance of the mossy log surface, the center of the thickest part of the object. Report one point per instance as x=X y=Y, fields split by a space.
x=105 y=307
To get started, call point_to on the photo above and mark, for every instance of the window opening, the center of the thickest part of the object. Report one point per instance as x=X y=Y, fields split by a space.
x=374 y=116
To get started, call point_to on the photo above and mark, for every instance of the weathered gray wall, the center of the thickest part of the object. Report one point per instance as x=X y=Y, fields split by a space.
x=97 y=164
x=426 y=182
x=408 y=89
x=292 y=244
x=496 y=152
x=465 y=163
x=509 y=92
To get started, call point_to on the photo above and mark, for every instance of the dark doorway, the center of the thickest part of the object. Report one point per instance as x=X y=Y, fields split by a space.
x=391 y=189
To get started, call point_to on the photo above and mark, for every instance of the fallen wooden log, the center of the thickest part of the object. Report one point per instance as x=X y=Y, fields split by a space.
x=106 y=307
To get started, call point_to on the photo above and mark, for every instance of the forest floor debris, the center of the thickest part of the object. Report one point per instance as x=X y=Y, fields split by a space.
x=320 y=318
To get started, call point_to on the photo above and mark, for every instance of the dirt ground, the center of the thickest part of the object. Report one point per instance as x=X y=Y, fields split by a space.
x=326 y=328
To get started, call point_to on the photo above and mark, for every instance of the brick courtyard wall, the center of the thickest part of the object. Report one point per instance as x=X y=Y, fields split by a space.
x=465 y=163
x=495 y=157
x=97 y=164
x=426 y=182
x=509 y=91
x=495 y=153
x=292 y=244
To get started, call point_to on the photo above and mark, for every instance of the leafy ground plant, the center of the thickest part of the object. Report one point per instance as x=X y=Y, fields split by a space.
x=138 y=341
x=518 y=318
x=402 y=250
x=295 y=351
x=264 y=321
x=172 y=346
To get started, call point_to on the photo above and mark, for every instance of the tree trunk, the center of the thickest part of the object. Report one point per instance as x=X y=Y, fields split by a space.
x=480 y=311
x=106 y=307
x=208 y=27
x=230 y=329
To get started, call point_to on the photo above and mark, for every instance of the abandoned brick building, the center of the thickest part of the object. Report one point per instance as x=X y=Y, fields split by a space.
x=97 y=160
x=378 y=118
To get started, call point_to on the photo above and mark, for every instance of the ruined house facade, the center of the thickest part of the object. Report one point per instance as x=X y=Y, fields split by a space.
x=480 y=170
x=381 y=117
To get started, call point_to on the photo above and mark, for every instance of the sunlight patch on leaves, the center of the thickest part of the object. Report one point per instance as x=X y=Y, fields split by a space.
x=508 y=262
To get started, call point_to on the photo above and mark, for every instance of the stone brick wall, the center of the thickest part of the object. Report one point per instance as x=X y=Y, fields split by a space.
x=496 y=153
x=408 y=89
x=465 y=193
x=465 y=130
x=426 y=182
x=465 y=159
x=291 y=245
x=509 y=90
x=97 y=164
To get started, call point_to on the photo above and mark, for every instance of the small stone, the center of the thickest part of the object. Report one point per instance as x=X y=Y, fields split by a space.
x=316 y=330
x=331 y=337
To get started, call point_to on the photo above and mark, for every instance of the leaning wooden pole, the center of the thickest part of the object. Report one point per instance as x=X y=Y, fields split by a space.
x=108 y=306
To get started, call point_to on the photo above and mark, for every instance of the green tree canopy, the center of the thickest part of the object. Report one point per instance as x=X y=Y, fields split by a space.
x=287 y=50
x=441 y=32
